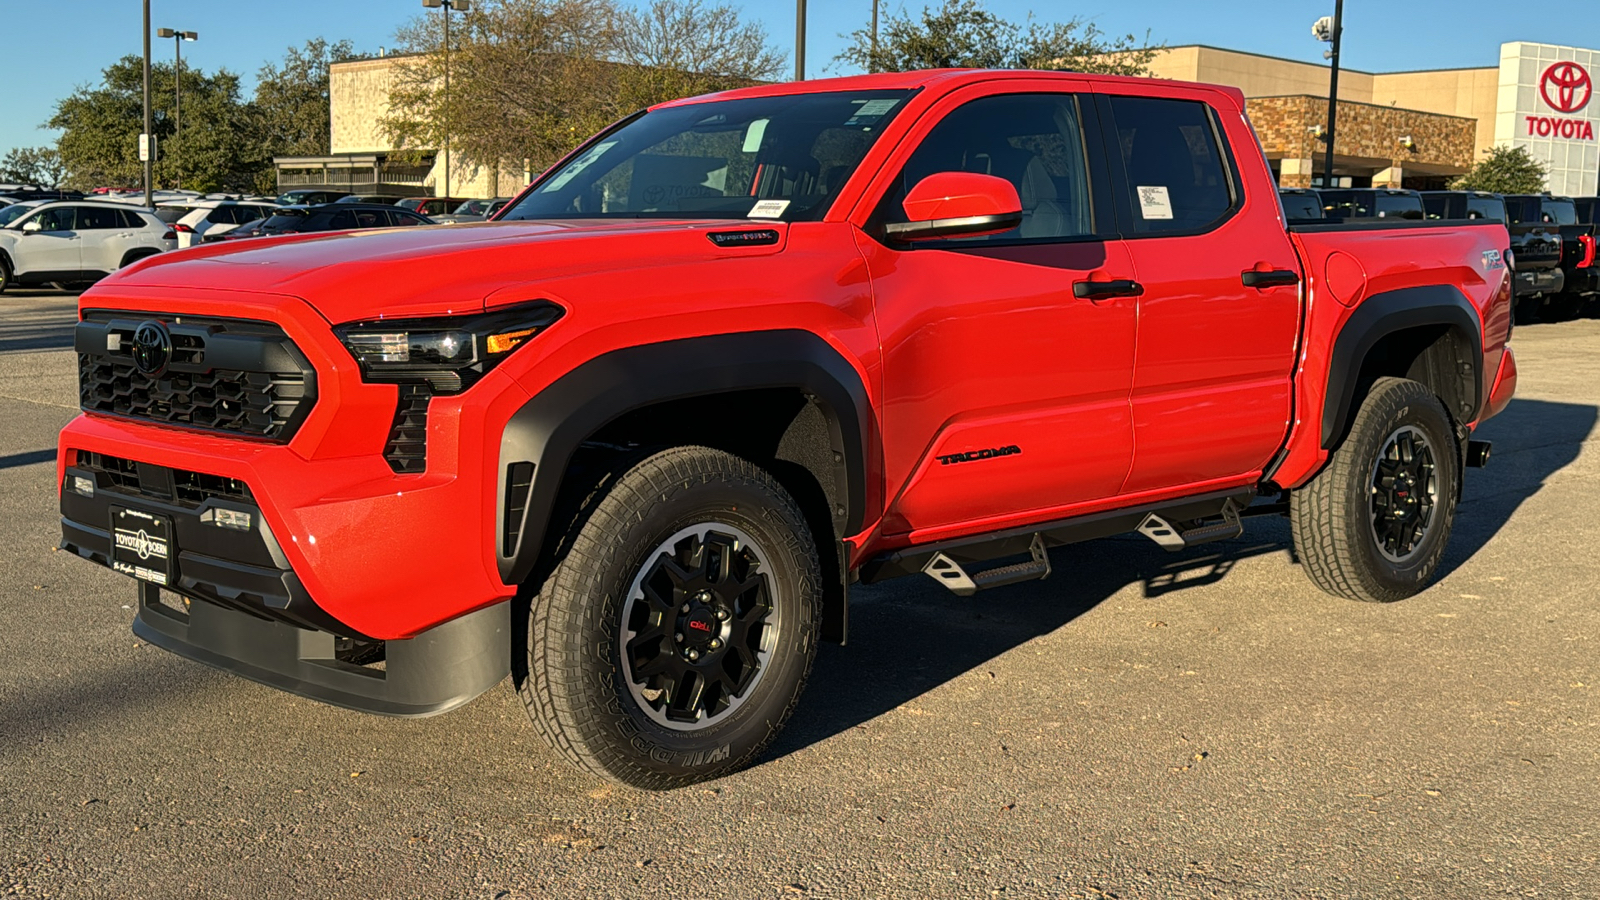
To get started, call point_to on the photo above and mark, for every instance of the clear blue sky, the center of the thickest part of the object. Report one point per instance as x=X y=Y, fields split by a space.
x=57 y=45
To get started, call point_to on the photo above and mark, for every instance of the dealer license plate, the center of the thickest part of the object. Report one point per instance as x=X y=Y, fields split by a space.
x=141 y=545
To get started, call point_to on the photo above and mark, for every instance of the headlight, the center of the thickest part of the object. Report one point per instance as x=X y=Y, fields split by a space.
x=449 y=353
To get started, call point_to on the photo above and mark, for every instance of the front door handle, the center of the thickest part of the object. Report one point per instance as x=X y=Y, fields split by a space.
x=1099 y=290
x=1276 y=278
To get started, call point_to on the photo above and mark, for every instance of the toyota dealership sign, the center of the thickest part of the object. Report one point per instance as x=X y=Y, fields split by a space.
x=1547 y=105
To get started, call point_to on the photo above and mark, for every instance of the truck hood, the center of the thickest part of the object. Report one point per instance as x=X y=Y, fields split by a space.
x=436 y=270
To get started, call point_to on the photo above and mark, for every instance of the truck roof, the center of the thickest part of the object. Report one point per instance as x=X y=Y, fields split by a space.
x=944 y=79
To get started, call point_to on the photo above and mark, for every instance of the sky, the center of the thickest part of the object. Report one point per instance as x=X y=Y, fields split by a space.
x=57 y=46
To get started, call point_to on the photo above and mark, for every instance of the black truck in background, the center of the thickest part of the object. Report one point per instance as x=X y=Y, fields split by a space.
x=1580 y=280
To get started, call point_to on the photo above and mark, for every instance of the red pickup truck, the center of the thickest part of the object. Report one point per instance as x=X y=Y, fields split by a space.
x=633 y=441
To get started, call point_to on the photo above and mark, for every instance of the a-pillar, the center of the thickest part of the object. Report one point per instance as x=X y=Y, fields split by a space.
x=1294 y=173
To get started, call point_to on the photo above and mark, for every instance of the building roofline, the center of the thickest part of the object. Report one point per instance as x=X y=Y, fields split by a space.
x=1343 y=102
x=1322 y=66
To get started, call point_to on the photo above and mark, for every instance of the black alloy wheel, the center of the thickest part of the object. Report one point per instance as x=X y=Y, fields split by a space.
x=698 y=626
x=1405 y=490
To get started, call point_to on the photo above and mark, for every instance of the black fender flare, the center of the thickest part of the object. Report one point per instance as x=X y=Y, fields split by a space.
x=550 y=427
x=1384 y=314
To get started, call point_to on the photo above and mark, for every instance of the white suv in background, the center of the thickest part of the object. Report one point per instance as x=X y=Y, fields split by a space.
x=209 y=220
x=77 y=240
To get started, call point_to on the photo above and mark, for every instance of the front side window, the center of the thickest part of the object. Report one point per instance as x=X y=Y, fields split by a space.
x=1176 y=177
x=782 y=157
x=59 y=218
x=1034 y=141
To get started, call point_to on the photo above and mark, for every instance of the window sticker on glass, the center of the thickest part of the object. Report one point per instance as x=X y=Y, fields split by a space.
x=768 y=209
x=753 y=135
x=870 y=111
x=1154 y=202
x=577 y=166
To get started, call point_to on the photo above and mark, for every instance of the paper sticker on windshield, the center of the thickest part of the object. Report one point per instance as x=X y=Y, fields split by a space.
x=1154 y=202
x=576 y=166
x=870 y=111
x=753 y=136
x=768 y=209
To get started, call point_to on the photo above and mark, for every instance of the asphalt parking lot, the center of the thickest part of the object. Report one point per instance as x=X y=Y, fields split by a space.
x=1204 y=724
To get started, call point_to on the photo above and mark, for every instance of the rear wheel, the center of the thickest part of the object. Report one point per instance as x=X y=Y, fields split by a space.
x=1374 y=523
x=672 y=641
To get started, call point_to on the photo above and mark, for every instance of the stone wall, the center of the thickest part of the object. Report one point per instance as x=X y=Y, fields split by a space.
x=1368 y=140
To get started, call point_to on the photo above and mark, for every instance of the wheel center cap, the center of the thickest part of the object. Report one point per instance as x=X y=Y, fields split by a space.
x=699 y=627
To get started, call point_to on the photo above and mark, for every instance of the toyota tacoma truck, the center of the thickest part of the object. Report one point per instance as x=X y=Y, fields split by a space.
x=636 y=441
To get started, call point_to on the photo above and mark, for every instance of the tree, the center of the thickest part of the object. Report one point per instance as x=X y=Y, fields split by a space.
x=1507 y=170
x=964 y=34
x=99 y=144
x=529 y=79
x=292 y=99
x=32 y=165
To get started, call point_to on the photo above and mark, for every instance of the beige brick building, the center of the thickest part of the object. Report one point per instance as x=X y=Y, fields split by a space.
x=1413 y=129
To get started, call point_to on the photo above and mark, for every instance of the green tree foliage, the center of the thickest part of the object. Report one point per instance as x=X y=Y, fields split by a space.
x=32 y=165
x=1507 y=170
x=529 y=79
x=226 y=144
x=291 y=104
x=965 y=34
x=100 y=127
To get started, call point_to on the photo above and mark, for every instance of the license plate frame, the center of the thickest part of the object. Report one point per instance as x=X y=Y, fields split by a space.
x=142 y=545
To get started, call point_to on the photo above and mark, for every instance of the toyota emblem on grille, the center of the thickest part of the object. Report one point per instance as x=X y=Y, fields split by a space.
x=152 y=348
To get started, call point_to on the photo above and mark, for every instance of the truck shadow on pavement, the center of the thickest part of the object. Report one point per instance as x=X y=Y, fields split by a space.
x=909 y=636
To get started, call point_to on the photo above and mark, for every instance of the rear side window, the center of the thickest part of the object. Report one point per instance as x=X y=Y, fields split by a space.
x=131 y=219
x=1176 y=177
x=94 y=218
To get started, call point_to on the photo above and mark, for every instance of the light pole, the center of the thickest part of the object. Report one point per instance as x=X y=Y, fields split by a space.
x=800 y=40
x=873 y=67
x=178 y=37
x=444 y=6
x=1329 y=31
x=149 y=148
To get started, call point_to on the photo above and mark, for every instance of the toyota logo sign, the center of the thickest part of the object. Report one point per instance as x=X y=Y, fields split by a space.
x=1566 y=86
x=152 y=348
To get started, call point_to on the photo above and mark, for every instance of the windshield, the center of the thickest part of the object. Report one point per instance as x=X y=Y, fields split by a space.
x=13 y=212
x=779 y=157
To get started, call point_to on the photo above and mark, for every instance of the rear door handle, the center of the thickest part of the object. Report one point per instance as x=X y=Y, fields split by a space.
x=1099 y=290
x=1276 y=278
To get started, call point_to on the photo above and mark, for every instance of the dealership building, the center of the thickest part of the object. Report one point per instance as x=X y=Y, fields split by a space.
x=1395 y=129
x=1414 y=129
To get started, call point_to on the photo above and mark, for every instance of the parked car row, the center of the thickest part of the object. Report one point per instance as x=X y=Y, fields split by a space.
x=1553 y=239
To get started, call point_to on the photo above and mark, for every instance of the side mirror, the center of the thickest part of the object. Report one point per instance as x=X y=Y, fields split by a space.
x=958 y=204
x=32 y=225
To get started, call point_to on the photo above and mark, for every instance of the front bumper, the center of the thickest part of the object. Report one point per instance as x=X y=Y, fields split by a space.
x=248 y=613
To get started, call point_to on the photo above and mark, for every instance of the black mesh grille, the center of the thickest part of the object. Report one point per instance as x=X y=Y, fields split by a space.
x=223 y=375
x=407 y=448
x=124 y=476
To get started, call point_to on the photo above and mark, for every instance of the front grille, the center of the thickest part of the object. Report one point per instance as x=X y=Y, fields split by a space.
x=225 y=375
x=186 y=488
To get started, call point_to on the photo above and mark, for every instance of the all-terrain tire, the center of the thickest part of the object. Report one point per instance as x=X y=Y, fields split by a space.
x=580 y=689
x=1341 y=519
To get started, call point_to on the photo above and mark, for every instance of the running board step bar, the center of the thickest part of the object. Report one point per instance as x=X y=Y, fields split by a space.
x=949 y=573
x=1173 y=538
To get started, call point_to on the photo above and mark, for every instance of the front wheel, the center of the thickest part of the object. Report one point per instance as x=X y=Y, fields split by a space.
x=673 y=640
x=5 y=274
x=1374 y=523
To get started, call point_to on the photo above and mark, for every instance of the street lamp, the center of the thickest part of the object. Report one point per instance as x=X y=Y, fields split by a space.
x=444 y=7
x=1329 y=31
x=178 y=37
x=800 y=40
x=146 y=154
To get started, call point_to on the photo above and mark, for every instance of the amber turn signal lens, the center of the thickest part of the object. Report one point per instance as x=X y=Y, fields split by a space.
x=511 y=340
